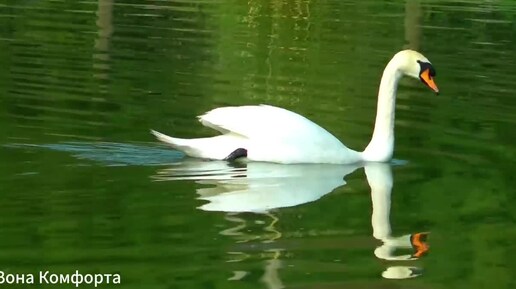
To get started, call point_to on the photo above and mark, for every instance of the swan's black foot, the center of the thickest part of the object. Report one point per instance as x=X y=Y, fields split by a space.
x=238 y=153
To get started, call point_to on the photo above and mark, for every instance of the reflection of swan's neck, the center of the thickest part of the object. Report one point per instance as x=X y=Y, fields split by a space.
x=379 y=177
x=382 y=143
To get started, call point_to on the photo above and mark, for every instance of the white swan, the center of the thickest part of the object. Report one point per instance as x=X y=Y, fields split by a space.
x=273 y=134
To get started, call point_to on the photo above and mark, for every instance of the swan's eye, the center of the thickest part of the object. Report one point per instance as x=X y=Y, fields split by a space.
x=426 y=66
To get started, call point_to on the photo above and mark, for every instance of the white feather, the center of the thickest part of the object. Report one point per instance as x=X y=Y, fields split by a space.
x=216 y=148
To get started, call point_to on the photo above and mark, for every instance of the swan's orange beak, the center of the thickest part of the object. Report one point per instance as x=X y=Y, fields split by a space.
x=428 y=80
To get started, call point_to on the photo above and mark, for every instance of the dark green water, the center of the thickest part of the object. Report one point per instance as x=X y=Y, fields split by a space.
x=84 y=186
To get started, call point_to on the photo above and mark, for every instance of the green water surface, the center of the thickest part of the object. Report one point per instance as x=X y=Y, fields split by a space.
x=84 y=186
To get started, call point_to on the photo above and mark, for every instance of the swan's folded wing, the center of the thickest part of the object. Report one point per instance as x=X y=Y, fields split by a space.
x=275 y=134
x=265 y=122
x=243 y=120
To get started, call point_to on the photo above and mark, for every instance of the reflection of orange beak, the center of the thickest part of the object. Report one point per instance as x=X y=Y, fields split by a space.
x=419 y=244
x=429 y=81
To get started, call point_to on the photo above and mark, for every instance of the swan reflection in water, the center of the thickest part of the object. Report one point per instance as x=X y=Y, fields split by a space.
x=261 y=187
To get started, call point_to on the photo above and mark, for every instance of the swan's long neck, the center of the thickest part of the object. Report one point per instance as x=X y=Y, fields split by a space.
x=381 y=146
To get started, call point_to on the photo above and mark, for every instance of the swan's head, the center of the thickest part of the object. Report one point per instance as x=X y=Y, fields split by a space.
x=415 y=64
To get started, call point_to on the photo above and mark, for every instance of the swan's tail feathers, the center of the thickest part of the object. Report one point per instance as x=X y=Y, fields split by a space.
x=174 y=142
x=181 y=144
x=216 y=148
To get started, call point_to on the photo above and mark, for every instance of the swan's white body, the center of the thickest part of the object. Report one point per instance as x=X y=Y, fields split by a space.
x=268 y=133
x=274 y=134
